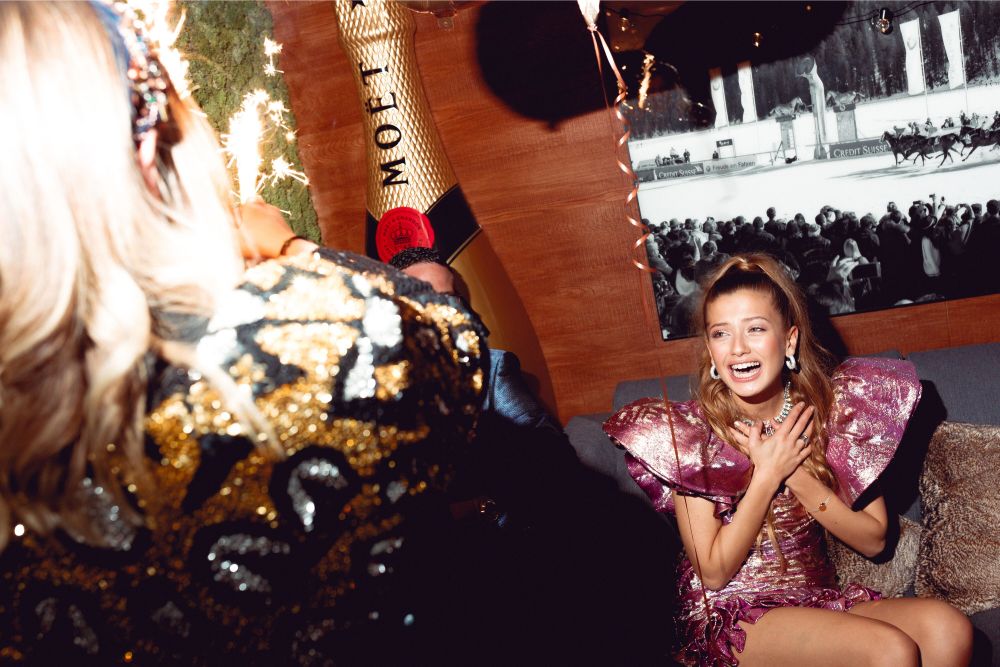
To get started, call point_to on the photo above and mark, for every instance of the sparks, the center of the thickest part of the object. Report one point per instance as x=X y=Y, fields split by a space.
x=648 y=65
x=242 y=143
x=271 y=49
x=280 y=168
x=157 y=26
x=258 y=115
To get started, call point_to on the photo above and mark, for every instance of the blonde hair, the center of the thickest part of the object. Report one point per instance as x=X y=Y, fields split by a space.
x=91 y=262
x=810 y=383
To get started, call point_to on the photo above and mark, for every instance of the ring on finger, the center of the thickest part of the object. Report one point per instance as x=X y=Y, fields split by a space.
x=804 y=438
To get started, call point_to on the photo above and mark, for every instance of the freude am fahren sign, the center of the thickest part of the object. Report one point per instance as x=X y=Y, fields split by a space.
x=846 y=150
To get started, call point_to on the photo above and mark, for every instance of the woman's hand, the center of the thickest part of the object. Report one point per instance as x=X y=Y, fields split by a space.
x=777 y=456
x=718 y=551
x=264 y=230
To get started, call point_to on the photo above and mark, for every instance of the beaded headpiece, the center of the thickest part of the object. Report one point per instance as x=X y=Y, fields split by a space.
x=147 y=79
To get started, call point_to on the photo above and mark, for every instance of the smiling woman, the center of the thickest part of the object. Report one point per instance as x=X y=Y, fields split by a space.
x=777 y=447
x=751 y=348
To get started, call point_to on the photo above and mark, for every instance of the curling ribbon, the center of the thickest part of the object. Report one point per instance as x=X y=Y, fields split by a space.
x=626 y=168
x=589 y=10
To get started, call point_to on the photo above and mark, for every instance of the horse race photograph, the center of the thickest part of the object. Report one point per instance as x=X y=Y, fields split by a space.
x=864 y=154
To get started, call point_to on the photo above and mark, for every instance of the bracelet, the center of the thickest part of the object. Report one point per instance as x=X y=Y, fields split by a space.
x=822 y=505
x=289 y=241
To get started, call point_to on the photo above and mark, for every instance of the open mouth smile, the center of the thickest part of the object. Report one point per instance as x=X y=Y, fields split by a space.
x=745 y=371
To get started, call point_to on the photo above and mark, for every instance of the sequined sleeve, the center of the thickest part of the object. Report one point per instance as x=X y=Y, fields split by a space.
x=370 y=383
x=700 y=465
x=873 y=401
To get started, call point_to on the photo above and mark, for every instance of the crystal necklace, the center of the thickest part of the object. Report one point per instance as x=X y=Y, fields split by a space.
x=786 y=407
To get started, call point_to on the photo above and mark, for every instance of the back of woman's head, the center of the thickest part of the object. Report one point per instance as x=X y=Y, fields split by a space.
x=95 y=252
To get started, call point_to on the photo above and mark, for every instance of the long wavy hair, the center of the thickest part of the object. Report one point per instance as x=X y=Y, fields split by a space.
x=810 y=383
x=95 y=263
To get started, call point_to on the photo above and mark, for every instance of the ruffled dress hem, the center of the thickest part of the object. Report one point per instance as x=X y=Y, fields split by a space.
x=713 y=643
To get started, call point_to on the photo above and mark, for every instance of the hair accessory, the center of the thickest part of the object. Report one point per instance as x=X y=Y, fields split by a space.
x=289 y=241
x=147 y=79
x=791 y=362
x=714 y=372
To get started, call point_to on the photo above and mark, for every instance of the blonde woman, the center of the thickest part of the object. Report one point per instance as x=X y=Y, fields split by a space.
x=777 y=447
x=196 y=461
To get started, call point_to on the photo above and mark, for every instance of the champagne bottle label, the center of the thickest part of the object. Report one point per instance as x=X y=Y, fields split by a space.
x=413 y=197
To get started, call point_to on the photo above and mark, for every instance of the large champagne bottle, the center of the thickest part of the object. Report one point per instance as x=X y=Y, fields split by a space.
x=413 y=197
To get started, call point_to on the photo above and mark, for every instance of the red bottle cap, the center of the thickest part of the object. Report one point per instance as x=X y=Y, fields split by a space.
x=402 y=228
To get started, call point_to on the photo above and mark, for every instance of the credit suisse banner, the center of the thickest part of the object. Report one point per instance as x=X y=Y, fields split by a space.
x=721 y=166
x=670 y=171
x=852 y=149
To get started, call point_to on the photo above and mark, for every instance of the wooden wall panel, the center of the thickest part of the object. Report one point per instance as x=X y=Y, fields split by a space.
x=552 y=204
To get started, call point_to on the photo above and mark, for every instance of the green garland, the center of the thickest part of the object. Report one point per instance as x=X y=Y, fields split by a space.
x=224 y=43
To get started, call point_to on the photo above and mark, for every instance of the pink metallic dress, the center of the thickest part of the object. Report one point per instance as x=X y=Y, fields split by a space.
x=873 y=400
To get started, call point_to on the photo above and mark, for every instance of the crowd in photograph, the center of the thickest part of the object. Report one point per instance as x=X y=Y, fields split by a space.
x=925 y=251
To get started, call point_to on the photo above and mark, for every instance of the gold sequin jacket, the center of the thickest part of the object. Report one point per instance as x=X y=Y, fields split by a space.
x=371 y=383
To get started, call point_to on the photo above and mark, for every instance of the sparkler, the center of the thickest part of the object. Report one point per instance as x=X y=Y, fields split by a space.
x=246 y=132
x=648 y=65
x=271 y=49
x=243 y=145
x=247 y=126
x=158 y=29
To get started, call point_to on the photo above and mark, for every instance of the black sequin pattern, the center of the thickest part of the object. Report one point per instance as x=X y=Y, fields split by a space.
x=371 y=383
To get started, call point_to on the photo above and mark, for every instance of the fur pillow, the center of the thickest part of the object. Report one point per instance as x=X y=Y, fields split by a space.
x=959 y=557
x=891 y=578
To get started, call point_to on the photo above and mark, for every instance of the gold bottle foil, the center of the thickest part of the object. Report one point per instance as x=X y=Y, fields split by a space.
x=378 y=39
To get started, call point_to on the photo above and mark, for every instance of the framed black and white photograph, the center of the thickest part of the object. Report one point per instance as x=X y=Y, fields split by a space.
x=867 y=162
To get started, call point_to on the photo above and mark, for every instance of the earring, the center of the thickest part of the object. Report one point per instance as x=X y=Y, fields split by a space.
x=714 y=372
x=791 y=362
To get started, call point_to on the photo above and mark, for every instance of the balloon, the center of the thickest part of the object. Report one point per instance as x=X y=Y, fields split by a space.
x=589 y=10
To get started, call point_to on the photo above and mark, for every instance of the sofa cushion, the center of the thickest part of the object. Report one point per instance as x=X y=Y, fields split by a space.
x=678 y=389
x=892 y=577
x=986 y=640
x=597 y=452
x=959 y=558
x=966 y=379
x=885 y=354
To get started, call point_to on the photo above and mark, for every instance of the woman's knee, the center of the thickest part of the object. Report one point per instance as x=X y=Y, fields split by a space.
x=947 y=631
x=892 y=648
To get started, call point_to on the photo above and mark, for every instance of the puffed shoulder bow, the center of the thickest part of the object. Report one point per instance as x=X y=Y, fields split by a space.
x=873 y=401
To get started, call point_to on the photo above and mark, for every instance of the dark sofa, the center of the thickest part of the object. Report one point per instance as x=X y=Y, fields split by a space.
x=959 y=385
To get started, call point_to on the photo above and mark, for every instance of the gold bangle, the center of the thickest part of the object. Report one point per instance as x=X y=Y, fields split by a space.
x=822 y=505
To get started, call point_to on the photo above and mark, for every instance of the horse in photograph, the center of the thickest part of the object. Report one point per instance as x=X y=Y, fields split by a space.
x=840 y=101
x=923 y=147
x=978 y=137
x=901 y=145
x=789 y=109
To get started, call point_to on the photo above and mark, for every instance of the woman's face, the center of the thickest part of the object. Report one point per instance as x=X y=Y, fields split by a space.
x=748 y=342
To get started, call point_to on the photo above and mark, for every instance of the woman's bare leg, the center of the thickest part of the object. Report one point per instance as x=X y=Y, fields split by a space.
x=943 y=633
x=796 y=636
